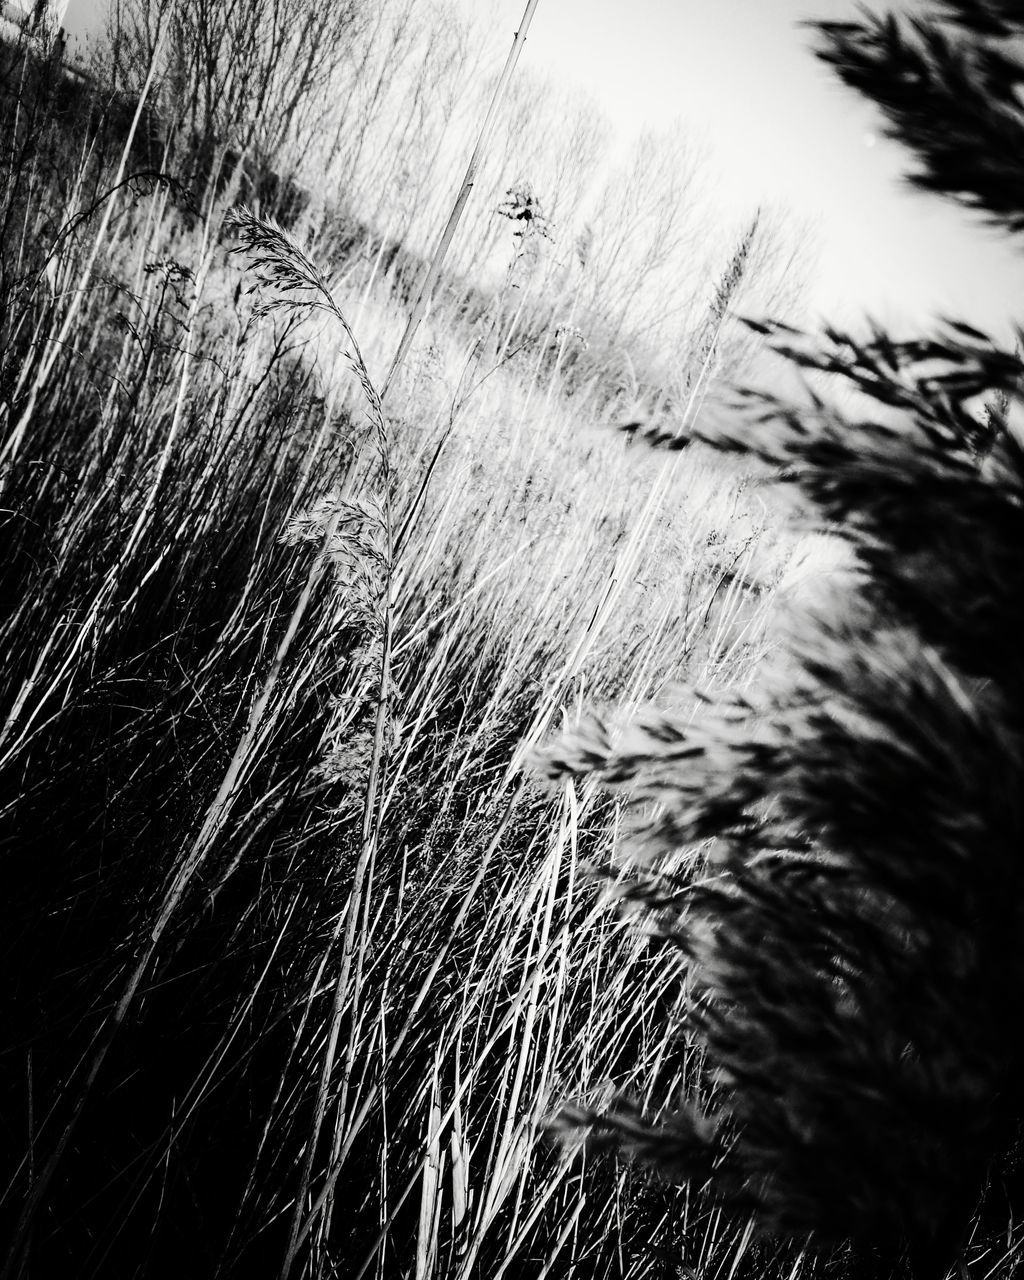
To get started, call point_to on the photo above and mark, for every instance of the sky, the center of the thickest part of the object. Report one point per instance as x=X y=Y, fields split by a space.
x=739 y=78
x=782 y=129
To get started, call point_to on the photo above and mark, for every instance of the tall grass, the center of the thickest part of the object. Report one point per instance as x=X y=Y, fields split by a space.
x=298 y=957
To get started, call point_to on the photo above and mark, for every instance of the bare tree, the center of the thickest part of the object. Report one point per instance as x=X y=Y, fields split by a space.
x=646 y=222
x=249 y=75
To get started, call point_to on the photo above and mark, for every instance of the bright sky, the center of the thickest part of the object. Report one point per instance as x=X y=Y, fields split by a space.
x=79 y=15
x=739 y=73
x=780 y=128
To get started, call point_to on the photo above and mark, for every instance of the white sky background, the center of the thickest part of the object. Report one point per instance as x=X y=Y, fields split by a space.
x=779 y=129
x=782 y=129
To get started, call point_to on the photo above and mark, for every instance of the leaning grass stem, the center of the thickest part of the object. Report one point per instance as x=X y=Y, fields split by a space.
x=88 y=626
x=57 y=345
x=360 y=1117
x=346 y=1000
x=465 y=190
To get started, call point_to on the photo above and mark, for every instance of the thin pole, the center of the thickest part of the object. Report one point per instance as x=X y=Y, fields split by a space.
x=448 y=234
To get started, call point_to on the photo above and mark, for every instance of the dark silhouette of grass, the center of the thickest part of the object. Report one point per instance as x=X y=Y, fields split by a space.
x=853 y=924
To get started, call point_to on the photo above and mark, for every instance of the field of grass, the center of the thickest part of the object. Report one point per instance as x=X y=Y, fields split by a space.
x=299 y=953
